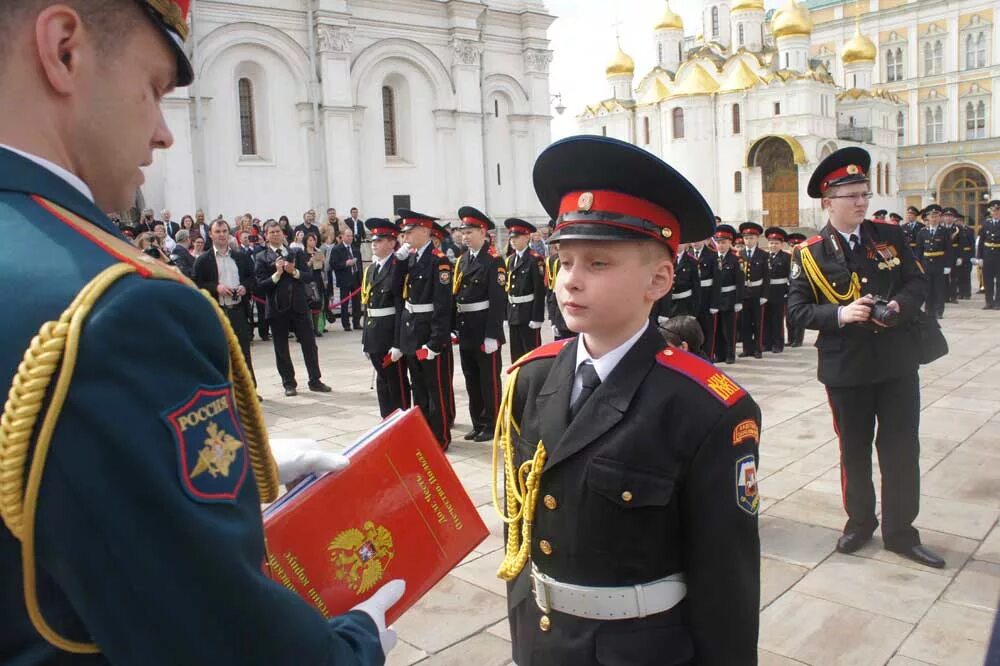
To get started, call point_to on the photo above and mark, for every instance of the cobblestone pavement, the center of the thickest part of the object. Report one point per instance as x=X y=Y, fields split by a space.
x=817 y=607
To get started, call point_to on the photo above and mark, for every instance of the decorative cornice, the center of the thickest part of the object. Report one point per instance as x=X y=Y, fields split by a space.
x=466 y=51
x=537 y=61
x=334 y=39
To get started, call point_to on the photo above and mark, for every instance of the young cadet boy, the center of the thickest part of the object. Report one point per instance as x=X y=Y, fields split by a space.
x=630 y=468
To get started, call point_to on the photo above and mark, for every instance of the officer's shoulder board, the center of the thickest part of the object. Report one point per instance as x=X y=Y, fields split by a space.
x=550 y=350
x=438 y=253
x=703 y=373
x=811 y=241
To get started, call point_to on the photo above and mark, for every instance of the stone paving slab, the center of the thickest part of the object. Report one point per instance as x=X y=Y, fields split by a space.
x=818 y=607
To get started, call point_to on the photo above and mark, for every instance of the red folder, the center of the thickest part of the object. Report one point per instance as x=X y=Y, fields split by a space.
x=397 y=511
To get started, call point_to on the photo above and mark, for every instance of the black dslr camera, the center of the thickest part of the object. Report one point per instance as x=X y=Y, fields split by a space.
x=883 y=314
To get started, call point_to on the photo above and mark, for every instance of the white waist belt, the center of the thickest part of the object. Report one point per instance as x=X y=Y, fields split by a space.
x=756 y=283
x=681 y=295
x=419 y=308
x=380 y=312
x=607 y=603
x=707 y=282
x=473 y=307
x=522 y=299
x=726 y=290
x=779 y=280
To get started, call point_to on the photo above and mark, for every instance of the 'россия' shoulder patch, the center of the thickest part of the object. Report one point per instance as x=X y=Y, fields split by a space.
x=211 y=456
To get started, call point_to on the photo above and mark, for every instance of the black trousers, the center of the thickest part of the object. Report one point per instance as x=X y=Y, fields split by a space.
x=302 y=326
x=482 y=381
x=355 y=312
x=751 y=325
x=723 y=337
x=991 y=279
x=237 y=315
x=707 y=321
x=263 y=328
x=392 y=384
x=937 y=293
x=523 y=340
x=895 y=406
x=774 y=325
x=427 y=382
x=449 y=383
x=963 y=281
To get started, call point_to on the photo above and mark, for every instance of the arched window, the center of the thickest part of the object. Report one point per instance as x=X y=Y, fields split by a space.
x=680 y=52
x=740 y=34
x=975 y=120
x=678 y=117
x=659 y=53
x=894 y=64
x=970 y=51
x=888 y=188
x=389 y=129
x=248 y=123
x=878 y=178
x=900 y=128
x=981 y=50
x=738 y=182
x=928 y=58
x=715 y=21
x=938 y=57
x=645 y=129
x=934 y=119
x=737 y=124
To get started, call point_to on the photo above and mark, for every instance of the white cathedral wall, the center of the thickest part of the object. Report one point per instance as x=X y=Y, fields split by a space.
x=692 y=154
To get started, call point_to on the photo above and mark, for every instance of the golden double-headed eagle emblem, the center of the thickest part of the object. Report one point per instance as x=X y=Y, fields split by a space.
x=218 y=453
x=361 y=556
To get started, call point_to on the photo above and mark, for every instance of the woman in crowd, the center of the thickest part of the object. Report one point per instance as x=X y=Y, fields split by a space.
x=187 y=222
x=286 y=227
x=299 y=242
x=315 y=291
x=329 y=235
x=197 y=245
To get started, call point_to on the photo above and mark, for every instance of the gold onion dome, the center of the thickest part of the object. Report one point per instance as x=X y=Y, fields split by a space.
x=671 y=21
x=858 y=49
x=620 y=64
x=791 y=19
x=747 y=4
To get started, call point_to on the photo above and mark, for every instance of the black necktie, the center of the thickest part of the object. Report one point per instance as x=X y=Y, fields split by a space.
x=591 y=380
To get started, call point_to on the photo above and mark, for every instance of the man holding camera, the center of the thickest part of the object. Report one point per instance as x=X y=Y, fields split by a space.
x=860 y=286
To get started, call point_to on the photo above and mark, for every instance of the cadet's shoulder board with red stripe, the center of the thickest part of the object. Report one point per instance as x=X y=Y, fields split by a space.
x=812 y=241
x=550 y=350
x=697 y=369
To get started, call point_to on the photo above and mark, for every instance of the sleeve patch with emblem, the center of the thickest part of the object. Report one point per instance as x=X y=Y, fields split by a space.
x=796 y=270
x=746 y=485
x=502 y=278
x=746 y=431
x=211 y=456
x=444 y=275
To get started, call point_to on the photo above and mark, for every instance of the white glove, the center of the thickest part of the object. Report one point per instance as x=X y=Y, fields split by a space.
x=958 y=262
x=555 y=331
x=376 y=606
x=763 y=300
x=947 y=271
x=662 y=320
x=403 y=252
x=977 y=262
x=490 y=346
x=395 y=354
x=713 y=311
x=297 y=457
x=431 y=355
x=738 y=307
x=534 y=325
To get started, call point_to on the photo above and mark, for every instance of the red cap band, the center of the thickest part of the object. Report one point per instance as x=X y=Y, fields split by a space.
x=518 y=229
x=724 y=233
x=776 y=237
x=842 y=172
x=474 y=222
x=616 y=203
x=418 y=222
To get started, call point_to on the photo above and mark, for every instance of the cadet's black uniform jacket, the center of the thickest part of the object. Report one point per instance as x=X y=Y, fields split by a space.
x=729 y=273
x=676 y=434
x=526 y=276
x=779 y=266
x=910 y=231
x=483 y=279
x=756 y=283
x=384 y=291
x=934 y=249
x=552 y=266
x=685 y=296
x=426 y=280
x=856 y=355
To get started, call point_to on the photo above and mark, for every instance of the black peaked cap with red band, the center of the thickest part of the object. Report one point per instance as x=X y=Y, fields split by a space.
x=599 y=188
x=409 y=219
x=726 y=231
x=519 y=227
x=439 y=231
x=776 y=233
x=170 y=18
x=796 y=238
x=751 y=228
x=933 y=208
x=473 y=218
x=842 y=167
x=382 y=228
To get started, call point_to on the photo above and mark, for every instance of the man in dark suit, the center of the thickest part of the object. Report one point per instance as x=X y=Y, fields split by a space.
x=281 y=275
x=755 y=289
x=356 y=226
x=779 y=264
x=345 y=260
x=171 y=227
x=868 y=364
x=383 y=301
x=308 y=227
x=228 y=275
x=181 y=255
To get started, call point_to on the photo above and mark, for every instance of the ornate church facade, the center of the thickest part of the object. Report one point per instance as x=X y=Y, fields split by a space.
x=379 y=104
x=747 y=108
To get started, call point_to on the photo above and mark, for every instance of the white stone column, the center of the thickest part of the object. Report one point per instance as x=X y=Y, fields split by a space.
x=466 y=73
x=340 y=123
x=170 y=179
x=448 y=163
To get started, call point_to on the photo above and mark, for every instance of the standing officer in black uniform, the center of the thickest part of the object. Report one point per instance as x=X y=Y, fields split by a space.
x=726 y=299
x=440 y=233
x=988 y=255
x=685 y=296
x=135 y=456
x=965 y=252
x=755 y=290
x=559 y=329
x=911 y=227
x=480 y=290
x=707 y=260
x=382 y=297
x=525 y=290
x=935 y=253
x=796 y=334
x=859 y=286
x=637 y=539
x=425 y=322
x=779 y=264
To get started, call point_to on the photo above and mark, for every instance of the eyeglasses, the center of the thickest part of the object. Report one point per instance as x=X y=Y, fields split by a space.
x=856 y=197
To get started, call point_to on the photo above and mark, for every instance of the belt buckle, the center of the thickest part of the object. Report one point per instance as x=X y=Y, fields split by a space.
x=540 y=590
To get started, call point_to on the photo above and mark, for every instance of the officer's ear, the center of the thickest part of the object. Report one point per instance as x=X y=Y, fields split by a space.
x=63 y=47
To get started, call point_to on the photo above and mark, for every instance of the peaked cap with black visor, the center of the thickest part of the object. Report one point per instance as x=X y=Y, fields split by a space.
x=170 y=18
x=841 y=167
x=598 y=188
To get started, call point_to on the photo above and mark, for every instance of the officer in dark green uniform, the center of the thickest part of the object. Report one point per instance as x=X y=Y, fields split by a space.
x=133 y=449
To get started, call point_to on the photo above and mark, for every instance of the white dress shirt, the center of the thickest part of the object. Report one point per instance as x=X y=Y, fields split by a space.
x=603 y=365
x=229 y=275
x=65 y=174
